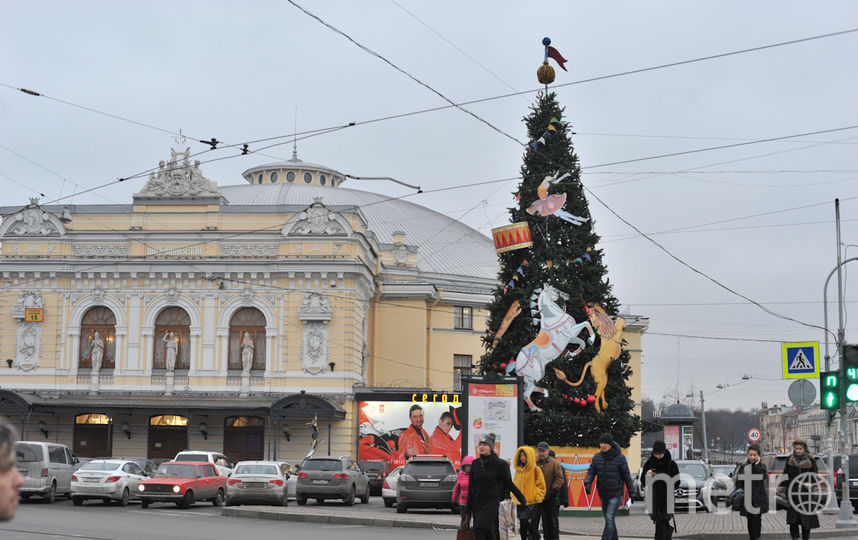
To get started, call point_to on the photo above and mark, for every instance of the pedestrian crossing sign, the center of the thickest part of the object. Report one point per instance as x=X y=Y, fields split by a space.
x=800 y=360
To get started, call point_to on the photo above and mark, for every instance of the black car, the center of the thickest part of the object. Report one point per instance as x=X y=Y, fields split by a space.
x=853 y=480
x=376 y=470
x=426 y=482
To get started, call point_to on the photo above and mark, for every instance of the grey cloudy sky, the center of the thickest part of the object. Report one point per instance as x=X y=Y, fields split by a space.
x=236 y=71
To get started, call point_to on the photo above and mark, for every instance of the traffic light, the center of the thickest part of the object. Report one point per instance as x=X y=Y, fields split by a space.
x=850 y=361
x=829 y=389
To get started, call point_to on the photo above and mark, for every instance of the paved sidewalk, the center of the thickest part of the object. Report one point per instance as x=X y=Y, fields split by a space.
x=701 y=526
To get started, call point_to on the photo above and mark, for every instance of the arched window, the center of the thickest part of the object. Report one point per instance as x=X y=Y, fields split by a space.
x=177 y=321
x=252 y=322
x=290 y=176
x=98 y=319
x=308 y=177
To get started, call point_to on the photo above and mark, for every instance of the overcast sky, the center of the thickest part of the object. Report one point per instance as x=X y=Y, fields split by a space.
x=758 y=218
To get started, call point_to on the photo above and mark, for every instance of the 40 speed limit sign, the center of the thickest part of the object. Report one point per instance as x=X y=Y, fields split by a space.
x=754 y=435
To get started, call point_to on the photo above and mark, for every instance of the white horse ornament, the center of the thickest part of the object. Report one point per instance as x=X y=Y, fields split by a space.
x=557 y=329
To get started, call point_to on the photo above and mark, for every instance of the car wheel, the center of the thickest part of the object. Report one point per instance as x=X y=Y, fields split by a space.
x=301 y=500
x=320 y=500
x=124 y=500
x=365 y=498
x=77 y=501
x=218 y=500
x=350 y=498
x=144 y=504
x=187 y=500
x=388 y=502
x=401 y=508
x=51 y=495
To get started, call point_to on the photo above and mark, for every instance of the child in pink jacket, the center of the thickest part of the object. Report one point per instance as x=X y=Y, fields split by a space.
x=460 y=492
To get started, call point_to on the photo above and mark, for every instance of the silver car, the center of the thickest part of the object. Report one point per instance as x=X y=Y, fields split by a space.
x=107 y=480
x=261 y=481
x=46 y=467
x=388 y=488
x=330 y=477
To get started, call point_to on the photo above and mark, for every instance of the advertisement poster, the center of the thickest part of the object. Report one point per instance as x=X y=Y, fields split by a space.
x=393 y=429
x=671 y=440
x=493 y=408
x=687 y=442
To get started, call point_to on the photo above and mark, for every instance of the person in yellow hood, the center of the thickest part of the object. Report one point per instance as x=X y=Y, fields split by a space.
x=531 y=482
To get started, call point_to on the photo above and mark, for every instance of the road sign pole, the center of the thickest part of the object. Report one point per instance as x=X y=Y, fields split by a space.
x=705 y=438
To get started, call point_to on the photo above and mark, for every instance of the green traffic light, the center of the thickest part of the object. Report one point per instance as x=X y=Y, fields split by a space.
x=831 y=400
x=852 y=392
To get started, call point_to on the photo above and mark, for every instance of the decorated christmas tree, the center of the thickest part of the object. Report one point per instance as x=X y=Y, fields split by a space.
x=561 y=274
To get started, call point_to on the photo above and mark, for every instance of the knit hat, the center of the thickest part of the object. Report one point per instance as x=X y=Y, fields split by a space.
x=658 y=447
x=467 y=460
x=606 y=438
x=543 y=446
x=489 y=439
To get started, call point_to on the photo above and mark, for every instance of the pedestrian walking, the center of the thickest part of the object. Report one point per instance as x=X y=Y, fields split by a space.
x=549 y=508
x=10 y=479
x=611 y=471
x=529 y=479
x=660 y=463
x=488 y=483
x=752 y=477
x=460 y=492
x=800 y=462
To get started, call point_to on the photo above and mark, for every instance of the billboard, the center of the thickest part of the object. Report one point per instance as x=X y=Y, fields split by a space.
x=671 y=440
x=394 y=427
x=492 y=405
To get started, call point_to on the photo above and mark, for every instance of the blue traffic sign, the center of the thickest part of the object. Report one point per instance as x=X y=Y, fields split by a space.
x=800 y=359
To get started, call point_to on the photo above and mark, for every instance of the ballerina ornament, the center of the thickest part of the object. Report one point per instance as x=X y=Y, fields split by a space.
x=552 y=205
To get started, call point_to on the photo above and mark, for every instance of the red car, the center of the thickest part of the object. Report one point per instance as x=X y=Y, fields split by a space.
x=183 y=482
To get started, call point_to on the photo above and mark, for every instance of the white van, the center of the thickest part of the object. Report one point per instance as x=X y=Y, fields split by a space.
x=46 y=467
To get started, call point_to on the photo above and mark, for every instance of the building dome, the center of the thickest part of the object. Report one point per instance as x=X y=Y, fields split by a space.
x=677 y=413
x=444 y=245
x=293 y=171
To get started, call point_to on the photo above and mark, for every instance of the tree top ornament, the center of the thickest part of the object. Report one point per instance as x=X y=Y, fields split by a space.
x=545 y=73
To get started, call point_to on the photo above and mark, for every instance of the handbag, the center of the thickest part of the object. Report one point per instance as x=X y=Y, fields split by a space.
x=737 y=499
x=465 y=531
x=526 y=512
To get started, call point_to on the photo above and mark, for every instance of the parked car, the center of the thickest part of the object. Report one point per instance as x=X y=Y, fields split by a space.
x=222 y=463
x=775 y=465
x=257 y=481
x=388 y=487
x=426 y=482
x=695 y=486
x=183 y=482
x=853 y=480
x=331 y=477
x=722 y=483
x=291 y=473
x=107 y=480
x=47 y=469
x=376 y=471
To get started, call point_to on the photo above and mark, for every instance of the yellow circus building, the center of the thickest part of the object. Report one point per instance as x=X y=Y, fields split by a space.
x=227 y=318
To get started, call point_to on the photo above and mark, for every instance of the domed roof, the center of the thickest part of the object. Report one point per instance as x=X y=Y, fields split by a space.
x=677 y=413
x=293 y=171
x=445 y=246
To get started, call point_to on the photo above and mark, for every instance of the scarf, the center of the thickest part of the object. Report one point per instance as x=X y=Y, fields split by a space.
x=802 y=462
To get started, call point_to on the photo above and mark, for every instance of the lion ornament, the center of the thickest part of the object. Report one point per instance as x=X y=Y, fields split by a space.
x=611 y=335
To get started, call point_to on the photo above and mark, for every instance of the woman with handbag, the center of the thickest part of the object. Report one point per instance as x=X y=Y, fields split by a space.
x=489 y=482
x=800 y=462
x=530 y=480
x=660 y=463
x=753 y=479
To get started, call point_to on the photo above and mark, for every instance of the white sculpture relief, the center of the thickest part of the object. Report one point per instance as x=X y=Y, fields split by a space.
x=32 y=221
x=314 y=350
x=248 y=250
x=100 y=250
x=172 y=344
x=314 y=304
x=97 y=347
x=246 y=353
x=172 y=296
x=317 y=220
x=98 y=294
x=247 y=296
x=178 y=178
x=27 y=299
x=28 y=342
x=400 y=253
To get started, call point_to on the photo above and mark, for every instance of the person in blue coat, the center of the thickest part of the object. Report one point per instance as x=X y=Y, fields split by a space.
x=611 y=471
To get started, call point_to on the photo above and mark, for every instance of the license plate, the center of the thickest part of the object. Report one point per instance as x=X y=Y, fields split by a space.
x=254 y=484
x=320 y=482
x=90 y=480
x=429 y=484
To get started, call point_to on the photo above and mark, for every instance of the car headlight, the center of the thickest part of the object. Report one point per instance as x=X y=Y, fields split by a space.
x=176 y=489
x=141 y=487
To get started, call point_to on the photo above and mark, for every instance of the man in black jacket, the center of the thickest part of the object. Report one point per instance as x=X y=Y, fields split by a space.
x=611 y=470
x=489 y=482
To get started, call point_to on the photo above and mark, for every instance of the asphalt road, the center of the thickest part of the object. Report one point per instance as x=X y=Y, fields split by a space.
x=96 y=521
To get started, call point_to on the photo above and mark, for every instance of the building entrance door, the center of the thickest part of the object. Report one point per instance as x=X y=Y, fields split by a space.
x=168 y=435
x=244 y=438
x=92 y=435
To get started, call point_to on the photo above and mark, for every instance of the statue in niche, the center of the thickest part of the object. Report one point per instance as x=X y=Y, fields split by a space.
x=246 y=353
x=172 y=344
x=96 y=346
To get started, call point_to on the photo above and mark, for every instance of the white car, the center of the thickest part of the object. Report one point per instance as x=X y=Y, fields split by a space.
x=388 y=488
x=291 y=474
x=257 y=481
x=222 y=463
x=107 y=480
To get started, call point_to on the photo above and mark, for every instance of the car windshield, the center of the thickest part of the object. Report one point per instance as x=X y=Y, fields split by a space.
x=322 y=465
x=429 y=469
x=695 y=470
x=256 y=469
x=101 y=466
x=28 y=453
x=175 y=470
x=193 y=457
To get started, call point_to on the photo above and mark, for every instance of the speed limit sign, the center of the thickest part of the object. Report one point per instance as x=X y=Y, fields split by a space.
x=754 y=435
